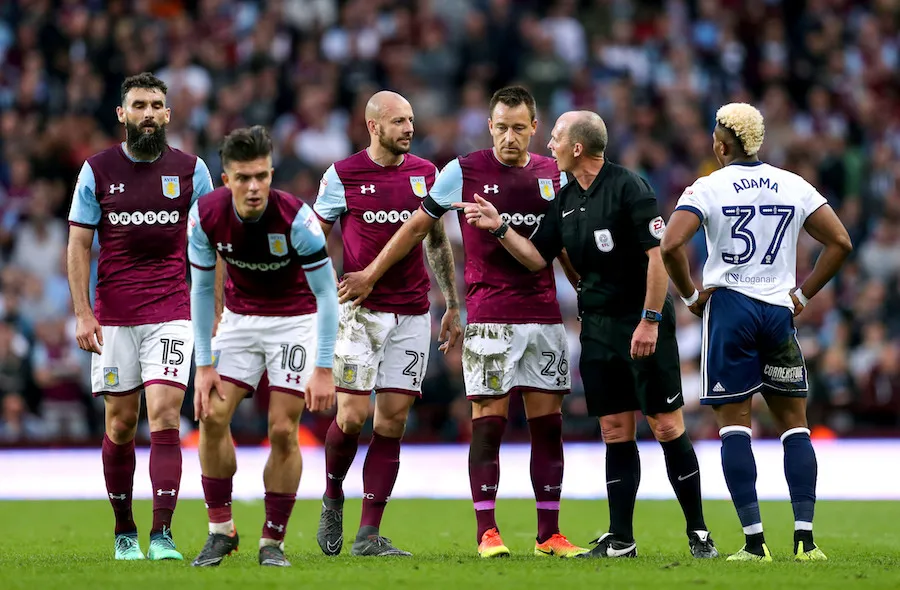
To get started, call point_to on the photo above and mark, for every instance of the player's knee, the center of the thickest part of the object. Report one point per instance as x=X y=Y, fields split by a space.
x=667 y=427
x=165 y=420
x=122 y=427
x=392 y=426
x=216 y=422
x=615 y=430
x=351 y=417
x=283 y=436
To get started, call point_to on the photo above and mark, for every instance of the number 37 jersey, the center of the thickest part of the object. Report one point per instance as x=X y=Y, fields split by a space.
x=752 y=214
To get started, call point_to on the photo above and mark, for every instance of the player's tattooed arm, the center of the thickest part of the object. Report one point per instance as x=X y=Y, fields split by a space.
x=440 y=257
x=439 y=253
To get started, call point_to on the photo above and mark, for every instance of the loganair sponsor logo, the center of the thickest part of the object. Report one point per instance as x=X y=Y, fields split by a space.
x=519 y=219
x=261 y=266
x=143 y=217
x=733 y=278
x=392 y=216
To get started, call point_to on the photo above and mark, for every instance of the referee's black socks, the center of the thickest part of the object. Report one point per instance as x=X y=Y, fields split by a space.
x=684 y=475
x=623 y=475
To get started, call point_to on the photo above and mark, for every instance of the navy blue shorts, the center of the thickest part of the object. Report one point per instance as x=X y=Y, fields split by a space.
x=749 y=347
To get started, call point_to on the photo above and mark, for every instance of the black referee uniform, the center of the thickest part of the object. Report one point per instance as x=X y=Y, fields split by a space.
x=607 y=230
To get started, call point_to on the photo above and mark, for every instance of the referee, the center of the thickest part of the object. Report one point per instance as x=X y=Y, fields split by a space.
x=607 y=220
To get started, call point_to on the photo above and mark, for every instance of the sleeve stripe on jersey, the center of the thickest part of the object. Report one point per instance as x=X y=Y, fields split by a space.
x=315 y=265
x=314 y=260
x=84 y=225
x=432 y=208
x=213 y=267
x=693 y=210
x=323 y=219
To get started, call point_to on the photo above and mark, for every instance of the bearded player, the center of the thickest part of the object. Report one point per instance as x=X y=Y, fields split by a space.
x=382 y=344
x=136 y=195
x=515 y=341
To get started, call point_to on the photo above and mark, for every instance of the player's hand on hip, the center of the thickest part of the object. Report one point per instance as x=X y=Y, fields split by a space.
x=481 y=214
x=450 y=329
x=355 y=286
x=320 y=390
x=89 y=334
x=643 y=341
x=206 y=382
x=798 y=307
x=702 y=298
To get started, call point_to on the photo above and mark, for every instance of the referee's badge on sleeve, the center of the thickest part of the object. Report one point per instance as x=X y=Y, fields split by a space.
x=657 y=227
x=603 y=239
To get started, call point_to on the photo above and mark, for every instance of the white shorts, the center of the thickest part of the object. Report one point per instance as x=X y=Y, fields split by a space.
x=381 y=351
x=246 y=346
x=134 y=357
x=499 y=359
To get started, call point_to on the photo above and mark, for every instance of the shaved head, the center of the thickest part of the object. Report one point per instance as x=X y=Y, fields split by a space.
x=383 y=102
x=389 y=118
x=588 y=129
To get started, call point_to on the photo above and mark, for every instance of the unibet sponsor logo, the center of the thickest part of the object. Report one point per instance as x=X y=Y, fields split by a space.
x=144 y=217
x=386 y=216
x=784 y=374
x=262 y=266
x=519 y=219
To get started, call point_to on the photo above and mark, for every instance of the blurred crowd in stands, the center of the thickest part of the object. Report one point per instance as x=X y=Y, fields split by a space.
x=825 y=73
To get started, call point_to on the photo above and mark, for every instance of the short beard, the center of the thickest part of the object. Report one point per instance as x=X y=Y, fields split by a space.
x=393 y=146
x=145 y=146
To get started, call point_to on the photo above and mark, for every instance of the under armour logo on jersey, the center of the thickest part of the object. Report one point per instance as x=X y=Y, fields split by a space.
x=273 y=526
x=174 y=371
x=166 y=492
x=367 y=188
x=117 y=188
x=491 y=188
x=224 y=247
x=289 y=378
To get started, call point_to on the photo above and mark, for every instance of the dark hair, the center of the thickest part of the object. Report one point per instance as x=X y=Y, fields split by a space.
x=245 y=144
x=143 y=80
x=513 y=96
x=590 y=134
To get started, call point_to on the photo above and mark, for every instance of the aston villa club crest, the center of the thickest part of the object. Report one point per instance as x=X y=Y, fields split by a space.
x=546 y=186
x=171 y=187
x=349 y=374
x=493 y=379
x=418 y=186
x=111 y=376
x=278 y=244
x=215 y=358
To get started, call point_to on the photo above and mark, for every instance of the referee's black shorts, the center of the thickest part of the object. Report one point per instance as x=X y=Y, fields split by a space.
x=616 y=383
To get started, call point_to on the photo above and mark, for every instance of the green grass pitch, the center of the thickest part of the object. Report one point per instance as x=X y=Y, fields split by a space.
x=68 y=545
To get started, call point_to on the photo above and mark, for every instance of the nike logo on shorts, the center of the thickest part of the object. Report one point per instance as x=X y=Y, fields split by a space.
x=669 y=400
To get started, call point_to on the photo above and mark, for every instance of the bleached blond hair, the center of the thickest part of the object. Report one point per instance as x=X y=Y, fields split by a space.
x=746 y=122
